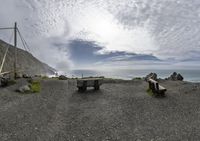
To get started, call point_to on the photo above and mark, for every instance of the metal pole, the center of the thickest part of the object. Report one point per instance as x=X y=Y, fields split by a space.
x=15 y=45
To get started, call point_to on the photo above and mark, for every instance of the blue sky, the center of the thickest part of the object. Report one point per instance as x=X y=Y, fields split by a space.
x=96 y=34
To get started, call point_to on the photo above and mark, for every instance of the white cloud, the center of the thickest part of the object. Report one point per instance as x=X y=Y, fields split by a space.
x=167 y=29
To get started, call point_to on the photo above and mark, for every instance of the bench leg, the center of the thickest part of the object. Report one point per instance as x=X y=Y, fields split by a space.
x=84 y=85
x=82 y=89
x=96 y=85
x=150 y=85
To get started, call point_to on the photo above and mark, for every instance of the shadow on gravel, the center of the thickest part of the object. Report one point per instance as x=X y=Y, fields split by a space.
x=90 y=91
x=160 y=97
x=89 y=94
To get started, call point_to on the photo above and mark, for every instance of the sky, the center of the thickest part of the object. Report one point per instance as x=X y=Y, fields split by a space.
x=107 y=34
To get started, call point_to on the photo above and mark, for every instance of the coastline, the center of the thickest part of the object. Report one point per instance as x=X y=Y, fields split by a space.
x=129 y=74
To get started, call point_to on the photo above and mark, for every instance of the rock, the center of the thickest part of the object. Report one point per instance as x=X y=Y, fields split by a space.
x=4 y=81
x=175 y=77
x=26 y=76
x=152 y=76
x=19 y=75
x=180 y=77
x=37 y=75
x=62 y=77
x=24 y=89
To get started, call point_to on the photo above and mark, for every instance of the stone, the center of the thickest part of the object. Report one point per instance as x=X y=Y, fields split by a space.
x=24 y=89
x=180 y=77
x=19 y=75
x=151 y=76
x=4 y=82
x=175 y=77
x=26 y=76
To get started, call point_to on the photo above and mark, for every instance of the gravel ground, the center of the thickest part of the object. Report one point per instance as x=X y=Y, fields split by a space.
x=119 y=111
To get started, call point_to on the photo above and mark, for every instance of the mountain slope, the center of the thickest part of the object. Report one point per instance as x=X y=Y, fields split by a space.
x=26 y=62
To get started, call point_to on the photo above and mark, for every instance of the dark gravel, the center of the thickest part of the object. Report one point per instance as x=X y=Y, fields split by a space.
x=119 y=111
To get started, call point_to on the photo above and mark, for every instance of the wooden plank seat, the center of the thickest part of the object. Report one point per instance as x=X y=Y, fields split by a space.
x=156 y=88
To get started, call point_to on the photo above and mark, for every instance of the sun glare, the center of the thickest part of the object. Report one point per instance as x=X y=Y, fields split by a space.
x=103 y=28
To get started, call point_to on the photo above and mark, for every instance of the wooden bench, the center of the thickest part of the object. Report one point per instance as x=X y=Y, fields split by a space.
x=83 y=83
x=156 y=88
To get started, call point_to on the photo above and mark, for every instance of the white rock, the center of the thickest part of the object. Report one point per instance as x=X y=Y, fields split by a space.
x=24 y=89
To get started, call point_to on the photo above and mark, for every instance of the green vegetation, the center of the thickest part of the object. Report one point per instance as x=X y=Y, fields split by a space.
x=35 y=86
x=149 y=91
x=54 y=78
x=137 y=78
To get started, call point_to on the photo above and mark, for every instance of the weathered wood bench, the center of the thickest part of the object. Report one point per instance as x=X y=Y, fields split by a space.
x=156 y=88
x=83 y=83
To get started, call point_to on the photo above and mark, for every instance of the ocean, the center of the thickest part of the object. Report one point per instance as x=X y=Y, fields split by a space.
x=127 y=74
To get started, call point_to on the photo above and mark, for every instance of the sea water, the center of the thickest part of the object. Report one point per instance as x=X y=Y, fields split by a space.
x=189 y=75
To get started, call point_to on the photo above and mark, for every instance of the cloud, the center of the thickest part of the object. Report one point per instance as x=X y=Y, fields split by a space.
x=168 y=29
x=85 y=55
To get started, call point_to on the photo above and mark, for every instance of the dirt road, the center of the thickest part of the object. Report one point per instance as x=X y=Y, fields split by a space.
x=119 y=111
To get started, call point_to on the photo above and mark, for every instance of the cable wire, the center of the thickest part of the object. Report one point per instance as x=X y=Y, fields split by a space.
x=23 y=42
x=6 y=28
x=26 y=47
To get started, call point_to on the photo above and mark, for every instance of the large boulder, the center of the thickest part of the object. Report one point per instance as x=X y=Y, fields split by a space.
x=176 y=77
x=180 y=77
x=24 y=89
x=151 y=76
x=173 y=76
x=4 y=81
